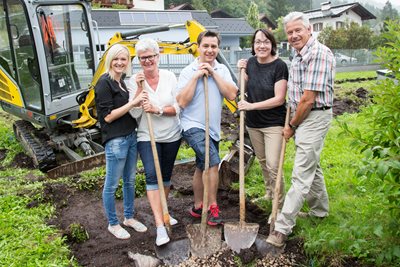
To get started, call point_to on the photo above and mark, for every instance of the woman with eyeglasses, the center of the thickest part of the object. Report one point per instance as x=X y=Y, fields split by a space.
x=266 y=76
x=158 y=87
x=118 y=131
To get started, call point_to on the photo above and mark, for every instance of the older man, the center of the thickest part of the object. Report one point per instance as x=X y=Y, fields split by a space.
x=310 y=91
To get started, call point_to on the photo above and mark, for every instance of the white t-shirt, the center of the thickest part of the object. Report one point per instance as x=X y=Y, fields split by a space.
x=166 y=128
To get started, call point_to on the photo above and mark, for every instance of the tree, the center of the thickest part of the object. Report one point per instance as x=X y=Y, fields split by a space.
x=277 y=9
x=353 y=36
x=388 y=12
x=252 y=16
x=279 y=32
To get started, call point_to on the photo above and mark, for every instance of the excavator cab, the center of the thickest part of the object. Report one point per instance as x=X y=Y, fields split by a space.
x=44 y=52
x=47 y=59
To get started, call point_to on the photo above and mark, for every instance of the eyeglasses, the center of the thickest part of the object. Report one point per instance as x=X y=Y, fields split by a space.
x=150 y=58
x=259 y=42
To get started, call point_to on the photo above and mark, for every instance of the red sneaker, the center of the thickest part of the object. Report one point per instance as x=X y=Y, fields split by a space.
x=196 y=213
x=213 y=217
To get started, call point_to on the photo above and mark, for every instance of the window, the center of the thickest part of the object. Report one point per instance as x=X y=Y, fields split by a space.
x=317 y=27
x=339 y=24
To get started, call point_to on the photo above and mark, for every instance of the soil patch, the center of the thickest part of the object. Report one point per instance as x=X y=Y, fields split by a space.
x=102 y=249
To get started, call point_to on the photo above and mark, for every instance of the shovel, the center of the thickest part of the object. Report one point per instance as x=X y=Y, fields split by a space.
x=263 y=247
x=241 y=235
x=172 y=252
x=277 y=189
x=204 y=240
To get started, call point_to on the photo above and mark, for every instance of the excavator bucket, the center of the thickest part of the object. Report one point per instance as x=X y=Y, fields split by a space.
x=77 y=166
x=229 y=166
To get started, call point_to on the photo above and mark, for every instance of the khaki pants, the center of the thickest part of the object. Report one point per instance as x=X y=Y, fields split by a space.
x=307 y=178
x=267 y=143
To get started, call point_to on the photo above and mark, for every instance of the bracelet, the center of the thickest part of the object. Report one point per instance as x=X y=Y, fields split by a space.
x=293 y=127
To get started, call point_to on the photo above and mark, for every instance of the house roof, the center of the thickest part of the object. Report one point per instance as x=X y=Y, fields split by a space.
x=336 y=11
x=185 y=6
x=263 y=18
x=131 y=19
x=233 y=26
x=219 y=13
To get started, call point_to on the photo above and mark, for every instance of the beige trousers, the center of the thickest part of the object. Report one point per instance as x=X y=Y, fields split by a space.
x=267 y=143
x=307 y=179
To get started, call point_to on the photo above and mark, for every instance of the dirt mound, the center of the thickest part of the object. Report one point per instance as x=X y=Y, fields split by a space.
x=85 y=208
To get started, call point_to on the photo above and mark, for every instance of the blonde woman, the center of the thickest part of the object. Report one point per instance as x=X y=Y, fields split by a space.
x=118 y=130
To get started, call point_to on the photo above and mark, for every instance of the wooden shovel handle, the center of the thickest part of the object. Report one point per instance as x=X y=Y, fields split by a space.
x=160 y=182
x=278 y=182
x=242 y=198
x=207 y=159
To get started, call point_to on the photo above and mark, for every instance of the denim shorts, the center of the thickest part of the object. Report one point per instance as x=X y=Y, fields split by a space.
x=195 y=137
x=166 y=155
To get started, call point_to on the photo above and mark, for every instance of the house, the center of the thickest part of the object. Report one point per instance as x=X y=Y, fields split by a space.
x=337 y=16
x=270 y=25
x=136 y=4
x=185 y=6
x=110 y=21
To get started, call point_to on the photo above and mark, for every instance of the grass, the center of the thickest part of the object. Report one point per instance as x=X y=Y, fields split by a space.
x=26 y=239
x=341 y=76
x=357 y=225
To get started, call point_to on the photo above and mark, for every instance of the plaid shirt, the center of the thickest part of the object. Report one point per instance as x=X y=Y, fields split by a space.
x=312 y=69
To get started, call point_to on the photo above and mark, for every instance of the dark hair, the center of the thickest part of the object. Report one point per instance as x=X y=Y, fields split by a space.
x=269 y=36
x=208 y=34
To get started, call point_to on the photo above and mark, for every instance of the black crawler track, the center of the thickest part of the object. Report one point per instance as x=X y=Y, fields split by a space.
x=35 y=144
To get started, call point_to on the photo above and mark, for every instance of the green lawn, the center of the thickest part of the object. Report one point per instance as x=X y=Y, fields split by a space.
x=356 y=228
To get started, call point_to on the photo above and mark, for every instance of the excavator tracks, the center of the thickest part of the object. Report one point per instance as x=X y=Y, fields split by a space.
x=35 y=144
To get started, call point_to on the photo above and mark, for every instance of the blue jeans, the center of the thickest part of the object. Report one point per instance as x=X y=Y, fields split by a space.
x=196 y=139
x=166 y=155
x=121 y=159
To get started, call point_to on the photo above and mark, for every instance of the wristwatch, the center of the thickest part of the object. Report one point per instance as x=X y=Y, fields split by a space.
x=293 y=127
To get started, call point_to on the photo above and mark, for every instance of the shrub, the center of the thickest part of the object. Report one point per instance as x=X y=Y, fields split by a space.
x=380 y=144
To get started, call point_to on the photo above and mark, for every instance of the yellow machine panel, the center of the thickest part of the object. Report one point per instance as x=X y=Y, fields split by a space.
x=9 y=90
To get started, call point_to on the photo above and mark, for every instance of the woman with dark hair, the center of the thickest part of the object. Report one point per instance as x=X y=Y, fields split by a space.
x=266 y=77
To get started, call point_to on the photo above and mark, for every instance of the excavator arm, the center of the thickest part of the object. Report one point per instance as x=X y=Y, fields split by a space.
x=87 y=107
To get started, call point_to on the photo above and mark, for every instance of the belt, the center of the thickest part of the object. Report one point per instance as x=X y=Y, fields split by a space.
x=321 y=108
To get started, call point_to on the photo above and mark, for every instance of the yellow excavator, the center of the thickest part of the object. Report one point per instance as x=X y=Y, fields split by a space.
x=49 y=66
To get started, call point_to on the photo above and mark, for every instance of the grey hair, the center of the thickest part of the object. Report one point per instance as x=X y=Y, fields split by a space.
x=292 y=16
x=114 y=52
x=147 y=44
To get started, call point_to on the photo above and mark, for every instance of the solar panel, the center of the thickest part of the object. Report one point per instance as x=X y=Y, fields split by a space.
x=131 y=18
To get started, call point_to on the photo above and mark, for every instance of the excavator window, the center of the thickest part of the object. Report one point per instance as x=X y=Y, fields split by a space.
x=65 y=37
x=21 y=48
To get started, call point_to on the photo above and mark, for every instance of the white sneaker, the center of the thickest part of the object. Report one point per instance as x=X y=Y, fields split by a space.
x=162 y=236
x=118 y=231
x=172 y=221
x=135 y=224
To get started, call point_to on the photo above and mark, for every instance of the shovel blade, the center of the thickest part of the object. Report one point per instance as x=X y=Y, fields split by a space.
x=240 y=235
x=266 y=249
x=174 y=252
x=204 y=245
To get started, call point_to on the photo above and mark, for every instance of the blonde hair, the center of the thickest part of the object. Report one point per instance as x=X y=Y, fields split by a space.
x=113 y=53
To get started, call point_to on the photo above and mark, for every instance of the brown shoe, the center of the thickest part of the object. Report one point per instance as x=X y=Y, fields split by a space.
x=277 y=239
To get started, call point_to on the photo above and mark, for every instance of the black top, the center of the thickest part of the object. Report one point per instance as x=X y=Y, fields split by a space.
x=109 y=96
x=260 y=87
